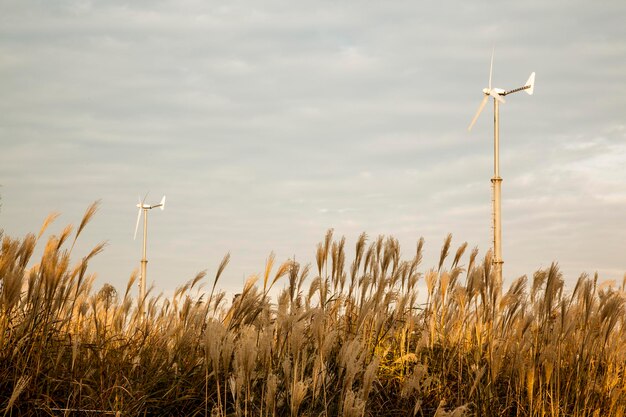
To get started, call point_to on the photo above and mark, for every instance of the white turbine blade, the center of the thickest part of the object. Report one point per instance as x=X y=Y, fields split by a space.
x=497 y=96
x=491 y=66
x=137 y=225
x=162 y=204
x=531 y=83
x=480 y=109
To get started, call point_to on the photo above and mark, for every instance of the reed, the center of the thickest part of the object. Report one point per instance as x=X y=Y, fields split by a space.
x=355 y=342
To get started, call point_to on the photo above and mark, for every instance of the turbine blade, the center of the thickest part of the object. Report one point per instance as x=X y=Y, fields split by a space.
x=491 y=66
x=497 y=96
x=163 y=203
x=480 y=109
x=137 y=224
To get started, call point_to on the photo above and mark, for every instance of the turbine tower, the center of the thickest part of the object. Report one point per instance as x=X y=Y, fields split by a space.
x=144 y=261
x=498 y=97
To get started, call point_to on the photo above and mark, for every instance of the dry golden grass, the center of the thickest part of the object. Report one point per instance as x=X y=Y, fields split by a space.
x=354 y=342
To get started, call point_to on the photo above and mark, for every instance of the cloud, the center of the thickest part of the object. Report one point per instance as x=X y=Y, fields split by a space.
x=268 y=122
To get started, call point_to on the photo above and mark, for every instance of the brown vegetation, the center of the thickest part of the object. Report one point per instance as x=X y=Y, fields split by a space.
x=355 y=341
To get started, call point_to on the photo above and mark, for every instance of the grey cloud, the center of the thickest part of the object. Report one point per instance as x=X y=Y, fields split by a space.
x=254 y=116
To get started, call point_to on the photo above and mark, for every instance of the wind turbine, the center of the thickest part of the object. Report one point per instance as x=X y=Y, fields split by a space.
x=144 y=262
x=498 y=97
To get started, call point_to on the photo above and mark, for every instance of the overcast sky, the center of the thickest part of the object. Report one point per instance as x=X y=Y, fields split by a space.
x=268 y=122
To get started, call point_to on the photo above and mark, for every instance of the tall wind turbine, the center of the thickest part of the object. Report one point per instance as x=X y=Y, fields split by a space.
x=498 y=97
x=144 y=262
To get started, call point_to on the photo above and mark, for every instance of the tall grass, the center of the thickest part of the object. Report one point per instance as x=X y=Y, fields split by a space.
x=339 y=340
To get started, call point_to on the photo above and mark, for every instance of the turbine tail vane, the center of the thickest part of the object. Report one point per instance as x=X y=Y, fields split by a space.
x=529 y=87
x=530 y=84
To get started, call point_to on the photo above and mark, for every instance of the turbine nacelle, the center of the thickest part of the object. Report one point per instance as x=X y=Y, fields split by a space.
x=488 y=91
x=143 y=206
x=496 y=93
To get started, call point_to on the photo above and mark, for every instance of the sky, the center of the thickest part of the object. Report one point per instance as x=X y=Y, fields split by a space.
x=266 y=123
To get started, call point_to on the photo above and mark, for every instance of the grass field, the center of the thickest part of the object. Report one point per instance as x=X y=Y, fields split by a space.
x=340 y=339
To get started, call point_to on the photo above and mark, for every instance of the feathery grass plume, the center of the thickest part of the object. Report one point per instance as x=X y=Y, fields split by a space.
x=341 y=261
x=64 y=235
x=294 y=267
x=304 y=273
x=417 y=383
x=353 y=405
x=20 y=385
x=334 y=260
x=418 y=251
x=283 y=270
x=327 y=243
x=199 y=276
x=411 y=273
x=319 y=258
x=472 y=260
x=368 y=379
x=611 y=310
x=445 y=249
x=369 y=255
x=47 y=222
x=298 y=393
x=219 y=272
x=539 y=278
x=459 y=253
x=554 y=286
x=131 y=282
x=11 y=273
x=431 y=281
x=271 y=385
x=360 y=248
x=25 y=251
x=313 y=288
x=89 y=213
x=245 y=362
x=269 y=264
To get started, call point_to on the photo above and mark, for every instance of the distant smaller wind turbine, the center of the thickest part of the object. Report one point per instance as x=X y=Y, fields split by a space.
x=144 y=262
